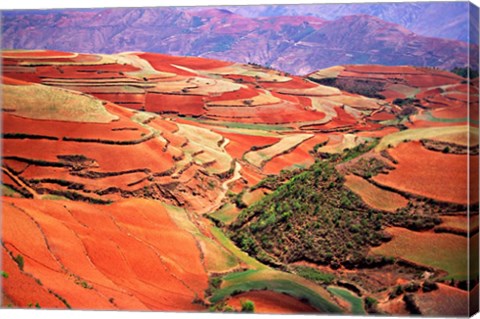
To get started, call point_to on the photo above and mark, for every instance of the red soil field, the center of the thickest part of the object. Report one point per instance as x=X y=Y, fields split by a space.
x=445 y=301
x=295 y=83
x=360 y=75
x=416 y=77
x=463 y=97
x=45 y=53
x=133 y=101
x=116 y=251
x=106 y=71
x=108 y=131
x=281 y=113
x=424 y=124
x=162 y=63
x=425 y=93
x=443 y=101
x=195 y=63
x=269 y=302
x=242 y=143
x=80 y=58
x=22 y=290
x=12 y=81
x=16 y=166
x=462 y=88
x=374 y=196
x=24 y=77
x=391 y=95
x=6 y=179
x=343 y=119
x=164 y=125
x=381 y=116
x=240 y=78
x=428 y=80
x=456 y=112
x=243 y=93
x=110 y=158
x=120 y=181
x=378 y=133
x=251 y=175
x=383 y=69
x=302 y=100
x=428 y=173
x=300 y=156
x=170 y=103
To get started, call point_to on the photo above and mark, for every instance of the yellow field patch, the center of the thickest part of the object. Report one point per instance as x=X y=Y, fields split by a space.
x=374 y=196
x=319 y=90
x=339 y=143
x=331 y=72
x=49 y=103
x=357 y=102
x=289 y=142
x=421 y=133
x=264 y=98
x=206 y=147
x=146 y=69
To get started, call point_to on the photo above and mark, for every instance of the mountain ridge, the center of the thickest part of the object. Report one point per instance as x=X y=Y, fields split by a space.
x=276 y=42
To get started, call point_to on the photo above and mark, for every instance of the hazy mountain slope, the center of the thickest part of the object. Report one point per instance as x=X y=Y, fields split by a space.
x=444 y=19
x=294 y=44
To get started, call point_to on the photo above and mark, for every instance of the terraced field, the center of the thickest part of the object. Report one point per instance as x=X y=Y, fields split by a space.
x=441 y=251
x=428 y=178
x=143 y=181
x=374 y=196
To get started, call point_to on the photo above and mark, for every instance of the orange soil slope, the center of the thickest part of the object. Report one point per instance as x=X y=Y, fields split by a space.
x=374 y=196
x=298 y=157
x=269 y=302
x=139 y=81
x=445 y=301
x=428 y=173
x=129 y=255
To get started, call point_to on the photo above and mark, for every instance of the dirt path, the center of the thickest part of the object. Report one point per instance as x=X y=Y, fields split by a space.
x=223 y=189
x=21 y=183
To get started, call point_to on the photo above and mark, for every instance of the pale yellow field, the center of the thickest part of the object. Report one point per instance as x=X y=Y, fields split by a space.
x=421 y=133
x=261 y=99
x=319 y=90
x=287 y=143
x=49 y=103
x=207 y=146
x=331 y=72
x=375 y=196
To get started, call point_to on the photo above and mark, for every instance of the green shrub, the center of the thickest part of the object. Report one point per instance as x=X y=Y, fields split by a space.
x=20 y=261
x=248 y=306
x=314 y=275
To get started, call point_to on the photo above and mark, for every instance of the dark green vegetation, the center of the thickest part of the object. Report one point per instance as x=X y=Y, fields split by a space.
x=467 y=73
x=248 y=306
x=20 y=261
x=236 y=283
x=355 y=302
x=311 y=216
x=352 y=153
x=314 y=275
x=369 y=88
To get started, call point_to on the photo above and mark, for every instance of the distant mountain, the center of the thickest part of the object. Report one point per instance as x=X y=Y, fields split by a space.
x=436 y=19
x=298 y=45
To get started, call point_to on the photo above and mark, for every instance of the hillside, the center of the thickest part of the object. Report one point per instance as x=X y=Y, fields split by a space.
x=143 y=181
x=443 y=20
x=295 y=44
